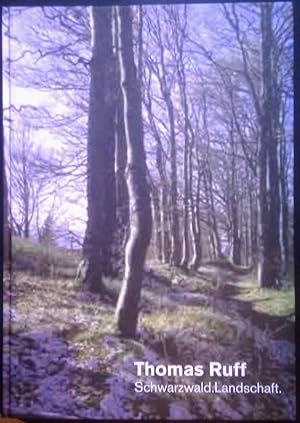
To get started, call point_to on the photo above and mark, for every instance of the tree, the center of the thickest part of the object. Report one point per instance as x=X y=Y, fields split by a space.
x=160 y=193
x=138 y=188
x=165 y=80
x=100 y=151
x=26 y=185
x=205 y=118
x=47 y=233
x=5 y=211
x=122 y=202
x=267 y=71
x=269 y=272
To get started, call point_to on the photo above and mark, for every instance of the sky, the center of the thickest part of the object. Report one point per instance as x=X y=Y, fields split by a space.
x=70 y=212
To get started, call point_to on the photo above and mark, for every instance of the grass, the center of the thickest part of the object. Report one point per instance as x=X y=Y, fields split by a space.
x=273 y=302
x=206 y=322
x=192 y=281
x=150 y=299
x=88 y=324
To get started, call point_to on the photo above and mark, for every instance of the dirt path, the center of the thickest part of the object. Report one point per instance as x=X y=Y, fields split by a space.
x=266 y=342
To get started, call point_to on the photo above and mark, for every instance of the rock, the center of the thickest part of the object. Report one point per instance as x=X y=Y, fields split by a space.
x=54 y=368
x=281 y=351
x=28 y=363
x=200 y=408
x=178 y=411
x=245 y=408
x=224 y=411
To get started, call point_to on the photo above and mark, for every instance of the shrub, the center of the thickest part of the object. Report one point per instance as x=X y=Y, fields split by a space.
x=44 y=260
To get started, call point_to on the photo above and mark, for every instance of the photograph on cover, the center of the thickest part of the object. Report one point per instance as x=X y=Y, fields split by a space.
x=148 y=211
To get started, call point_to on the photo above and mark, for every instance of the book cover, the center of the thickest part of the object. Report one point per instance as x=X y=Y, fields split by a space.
x=148 y=266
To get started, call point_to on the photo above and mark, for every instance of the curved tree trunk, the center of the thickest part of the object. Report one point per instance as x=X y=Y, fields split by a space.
x=138 y=188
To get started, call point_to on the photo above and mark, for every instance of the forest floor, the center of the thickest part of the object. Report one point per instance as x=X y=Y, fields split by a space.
x=64 y=358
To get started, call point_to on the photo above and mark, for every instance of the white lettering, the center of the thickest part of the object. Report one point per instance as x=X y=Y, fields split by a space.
x=138 y=387
x=215 y=369
x=140 y=365
x=161 y=370
x=199 y=370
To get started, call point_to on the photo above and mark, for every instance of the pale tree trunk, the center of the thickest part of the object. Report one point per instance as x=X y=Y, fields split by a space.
x=212 y=244
x=174 y=218
x=186 y=227
x=195 y=208
x=212 y=239
x=254 y=210
x=6 y=230
x=163 y=235
x=217 y=240
x=179 y=40
x=120 y=166
x=100 y=152
x=163 y=205
x=252 y=223
x=138 y=187
x=247 y=259
x=156 y=223
x=110 y=99
x=165 y=240
x=284 y=206
x=140 y=43
x=175 y=243
x=284 y=209
x=26 y=189
x=236 y=242
x=122 y=200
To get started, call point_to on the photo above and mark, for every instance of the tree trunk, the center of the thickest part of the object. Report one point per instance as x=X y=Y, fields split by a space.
x=121 y=161
x=174 y=219
x=195 y=208
x=186 y=195
x=216 y=235
x=185 y=245
x=175 y=243
x=253 y=210
x=212 y=243
x=236 y=244
x=156 y=223
x=26 y=190
x=100 y=152
x=284 y=204
x=269 y=201
x=138 y=188
x=122 y=201
x=6 y=230
x=163 y=235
